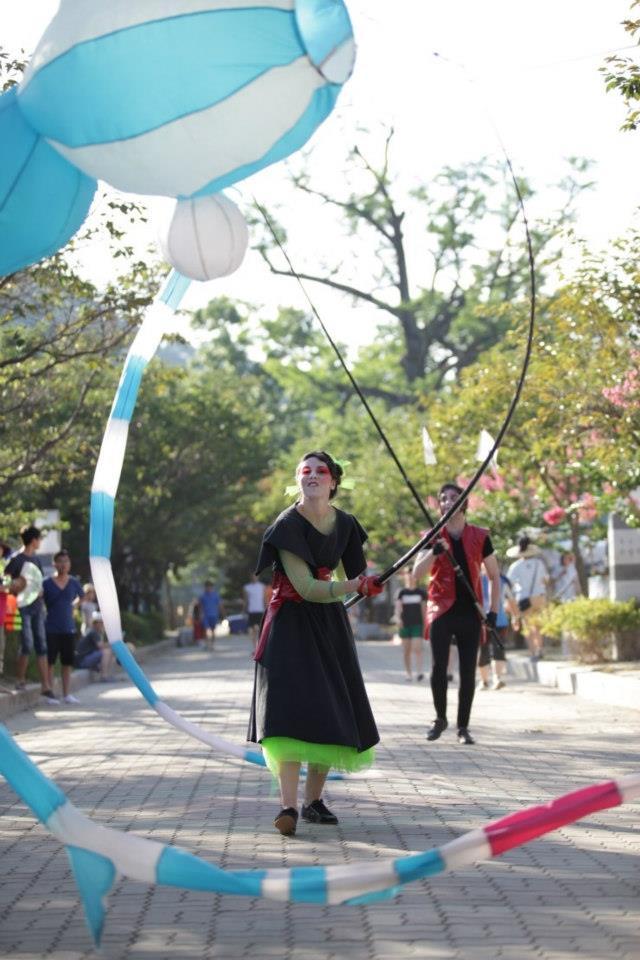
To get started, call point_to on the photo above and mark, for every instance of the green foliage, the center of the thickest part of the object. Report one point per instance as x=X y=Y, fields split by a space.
x=592 y=625
x=143 y=628
x=623 y=74
x=579 y=394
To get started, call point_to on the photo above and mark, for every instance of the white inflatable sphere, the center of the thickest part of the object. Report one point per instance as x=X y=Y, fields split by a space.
x=207 y=237
x=33 y=584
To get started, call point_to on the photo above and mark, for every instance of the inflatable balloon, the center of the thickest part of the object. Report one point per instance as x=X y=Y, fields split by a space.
x=176 y=98
x=207 y=237
x=32 y=577
x=43 y=198
x=184 y=97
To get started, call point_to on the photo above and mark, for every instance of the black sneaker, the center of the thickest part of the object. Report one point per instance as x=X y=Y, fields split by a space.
x=464 y=736
x=436 y=728
x=317 y=812
x=286 y=822
x=49 y=696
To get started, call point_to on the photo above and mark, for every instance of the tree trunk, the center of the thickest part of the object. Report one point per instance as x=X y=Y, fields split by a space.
x=580 y=565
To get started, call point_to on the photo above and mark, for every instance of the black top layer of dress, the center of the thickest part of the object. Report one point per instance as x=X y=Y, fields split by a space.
x=293 y=532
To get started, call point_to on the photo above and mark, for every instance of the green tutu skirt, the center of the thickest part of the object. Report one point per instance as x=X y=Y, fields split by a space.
x=331 y=755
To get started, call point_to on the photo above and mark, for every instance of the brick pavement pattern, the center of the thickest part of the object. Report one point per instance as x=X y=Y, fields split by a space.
x=573 y=893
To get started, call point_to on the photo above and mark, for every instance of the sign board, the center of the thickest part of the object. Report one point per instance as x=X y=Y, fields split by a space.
x=624 y=559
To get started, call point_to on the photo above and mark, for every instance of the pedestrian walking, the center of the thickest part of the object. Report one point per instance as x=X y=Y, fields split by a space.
x=255 y=603
x=211 y=612
x=410 y=610
x=529 y=580
x=309 y=701
x=492 y=652
x=452 y=614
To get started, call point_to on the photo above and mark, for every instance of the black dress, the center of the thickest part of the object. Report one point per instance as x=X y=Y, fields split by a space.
x=308 y=685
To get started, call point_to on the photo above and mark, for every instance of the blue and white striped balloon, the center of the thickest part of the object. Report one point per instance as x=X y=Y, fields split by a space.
x=43 y=199
x=184 y=97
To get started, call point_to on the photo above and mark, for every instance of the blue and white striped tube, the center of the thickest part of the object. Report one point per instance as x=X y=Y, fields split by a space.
x=103 y=497
x=99 y=855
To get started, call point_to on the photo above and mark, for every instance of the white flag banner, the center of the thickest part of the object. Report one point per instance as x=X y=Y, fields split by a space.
x=485 y=444
x=427 y=446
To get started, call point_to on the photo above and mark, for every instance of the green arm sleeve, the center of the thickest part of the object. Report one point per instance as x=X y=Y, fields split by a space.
x=317 y=591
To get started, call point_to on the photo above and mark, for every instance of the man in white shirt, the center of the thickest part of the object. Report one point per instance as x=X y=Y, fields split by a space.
x=255 y=602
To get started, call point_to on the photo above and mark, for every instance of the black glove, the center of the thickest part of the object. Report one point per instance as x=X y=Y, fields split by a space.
x=438 y=548
x=491 y=620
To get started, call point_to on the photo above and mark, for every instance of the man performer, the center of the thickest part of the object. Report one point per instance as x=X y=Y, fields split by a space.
x=452 y=606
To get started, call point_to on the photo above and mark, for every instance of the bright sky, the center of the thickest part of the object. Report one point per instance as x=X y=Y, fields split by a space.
x=535 y=69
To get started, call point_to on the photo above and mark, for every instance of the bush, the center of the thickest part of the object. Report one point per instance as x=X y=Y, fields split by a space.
x=596 y=630
x=141 y=628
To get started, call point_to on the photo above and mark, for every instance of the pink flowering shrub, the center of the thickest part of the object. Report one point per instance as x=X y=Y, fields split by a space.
x=554 y=516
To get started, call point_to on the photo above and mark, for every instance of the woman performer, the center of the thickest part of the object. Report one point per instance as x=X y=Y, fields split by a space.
x=309 y=702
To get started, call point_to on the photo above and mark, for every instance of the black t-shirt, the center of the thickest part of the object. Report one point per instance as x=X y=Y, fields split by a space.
x=464 y=602
x=411 y=605
x=15 y=565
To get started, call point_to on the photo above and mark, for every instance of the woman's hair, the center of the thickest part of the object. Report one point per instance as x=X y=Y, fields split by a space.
x=334 y=468
x=523 y=544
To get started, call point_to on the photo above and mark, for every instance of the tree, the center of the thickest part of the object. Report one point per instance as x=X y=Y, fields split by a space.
x=572 y=447
x=623 y=74
x=451 y=313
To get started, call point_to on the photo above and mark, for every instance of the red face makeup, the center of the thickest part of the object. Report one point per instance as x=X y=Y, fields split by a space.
x=321 y=471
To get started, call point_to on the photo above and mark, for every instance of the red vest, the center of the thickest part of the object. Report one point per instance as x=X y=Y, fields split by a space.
x=442 y=582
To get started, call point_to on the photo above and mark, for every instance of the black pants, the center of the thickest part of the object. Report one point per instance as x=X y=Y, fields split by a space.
x=464 y=630
x=491 y=650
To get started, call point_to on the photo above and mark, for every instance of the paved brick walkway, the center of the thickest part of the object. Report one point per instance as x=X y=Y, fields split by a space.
x=575 y=893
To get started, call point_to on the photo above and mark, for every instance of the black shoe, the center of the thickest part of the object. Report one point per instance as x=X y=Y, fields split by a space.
x=436 y=728
x=286 y=822
x=420 y=677
x=464 y=736
x=450 y=677
x=317 y=812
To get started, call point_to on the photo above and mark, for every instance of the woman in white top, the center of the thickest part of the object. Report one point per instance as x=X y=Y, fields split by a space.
x=88 y=606
x=567 y=585
x=529 y=580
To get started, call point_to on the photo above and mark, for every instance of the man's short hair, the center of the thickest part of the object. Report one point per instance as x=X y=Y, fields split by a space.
x=61 y=553
x=458 y=489
x=208 y=583
x=29 y=534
